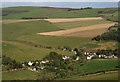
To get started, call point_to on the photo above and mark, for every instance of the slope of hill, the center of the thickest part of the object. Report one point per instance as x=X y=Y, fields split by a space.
x=23 y=52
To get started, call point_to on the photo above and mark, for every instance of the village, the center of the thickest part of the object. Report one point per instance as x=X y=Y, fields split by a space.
x=40 y=65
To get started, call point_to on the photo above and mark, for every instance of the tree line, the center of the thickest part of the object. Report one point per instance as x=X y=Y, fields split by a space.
x=34 y=18
x=80 y=8
x=111 y=35
x=12 y=64
x=107 y=52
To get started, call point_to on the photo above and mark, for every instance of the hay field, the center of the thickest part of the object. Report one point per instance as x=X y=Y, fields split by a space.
x=71 y=32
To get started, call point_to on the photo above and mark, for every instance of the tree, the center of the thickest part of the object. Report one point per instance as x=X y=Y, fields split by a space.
x=76 y=49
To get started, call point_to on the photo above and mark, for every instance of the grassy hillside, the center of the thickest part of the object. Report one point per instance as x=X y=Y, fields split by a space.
x=107 y=76
x=98 y=65
x=19 y=12
x=44 y=12
x=55 y=41
x=26 y=31
x=22 y=52
x=26 y=28
x=94 y=45
x=20 y=75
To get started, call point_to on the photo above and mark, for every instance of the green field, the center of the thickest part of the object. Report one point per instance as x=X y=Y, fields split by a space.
x=55 y=41
x=22 y=52
x=26 y=28
x=84 y=23
x=20 y=75
x=20 y=39
x=98 y=65
x=51 y=13
x=26 y=31
x=107 y=76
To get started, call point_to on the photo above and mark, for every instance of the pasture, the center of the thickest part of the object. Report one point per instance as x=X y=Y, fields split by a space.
x=94 y=45
x=26 y=28
x=55 y=41
x=21 y=12
x=20 y=75
x=98 y=65
x=23 y=52
x=46 y=12
x=107 y=76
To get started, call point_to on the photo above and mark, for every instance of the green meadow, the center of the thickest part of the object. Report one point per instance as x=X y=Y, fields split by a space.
x=107 y=76
x=98 y=65
x=27 y=31
x=75 y=24
x=20 y=75
x=52 y=13
x=22 y=52
x=26 y=28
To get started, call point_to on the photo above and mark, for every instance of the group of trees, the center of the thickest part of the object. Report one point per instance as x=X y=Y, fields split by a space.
x=59 y=67
x=34 y=18
x=7 y=61
x=107 y=52
x=111 y=27
x=80 y=8
x=111 y=35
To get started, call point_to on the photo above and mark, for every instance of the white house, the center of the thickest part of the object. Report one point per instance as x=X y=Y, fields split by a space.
x=64 y=49
x=102 y=55
x=111 y=56
x=77 y=58
x=115 y=57
x=30 y=63
x=44 y=61
x=65 y=57
x=37 y=62
x=23 y=64
x=89 y=57
x=72 y=50
x=34 y=69
x=75 y=52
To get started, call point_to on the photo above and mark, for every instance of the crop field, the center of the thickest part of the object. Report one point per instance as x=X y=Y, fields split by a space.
x=7 y=21
x=107 y=76
x=20 y=75
x=82 y=23
x=68 y=32
x=72 y=19
x=22 y=52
